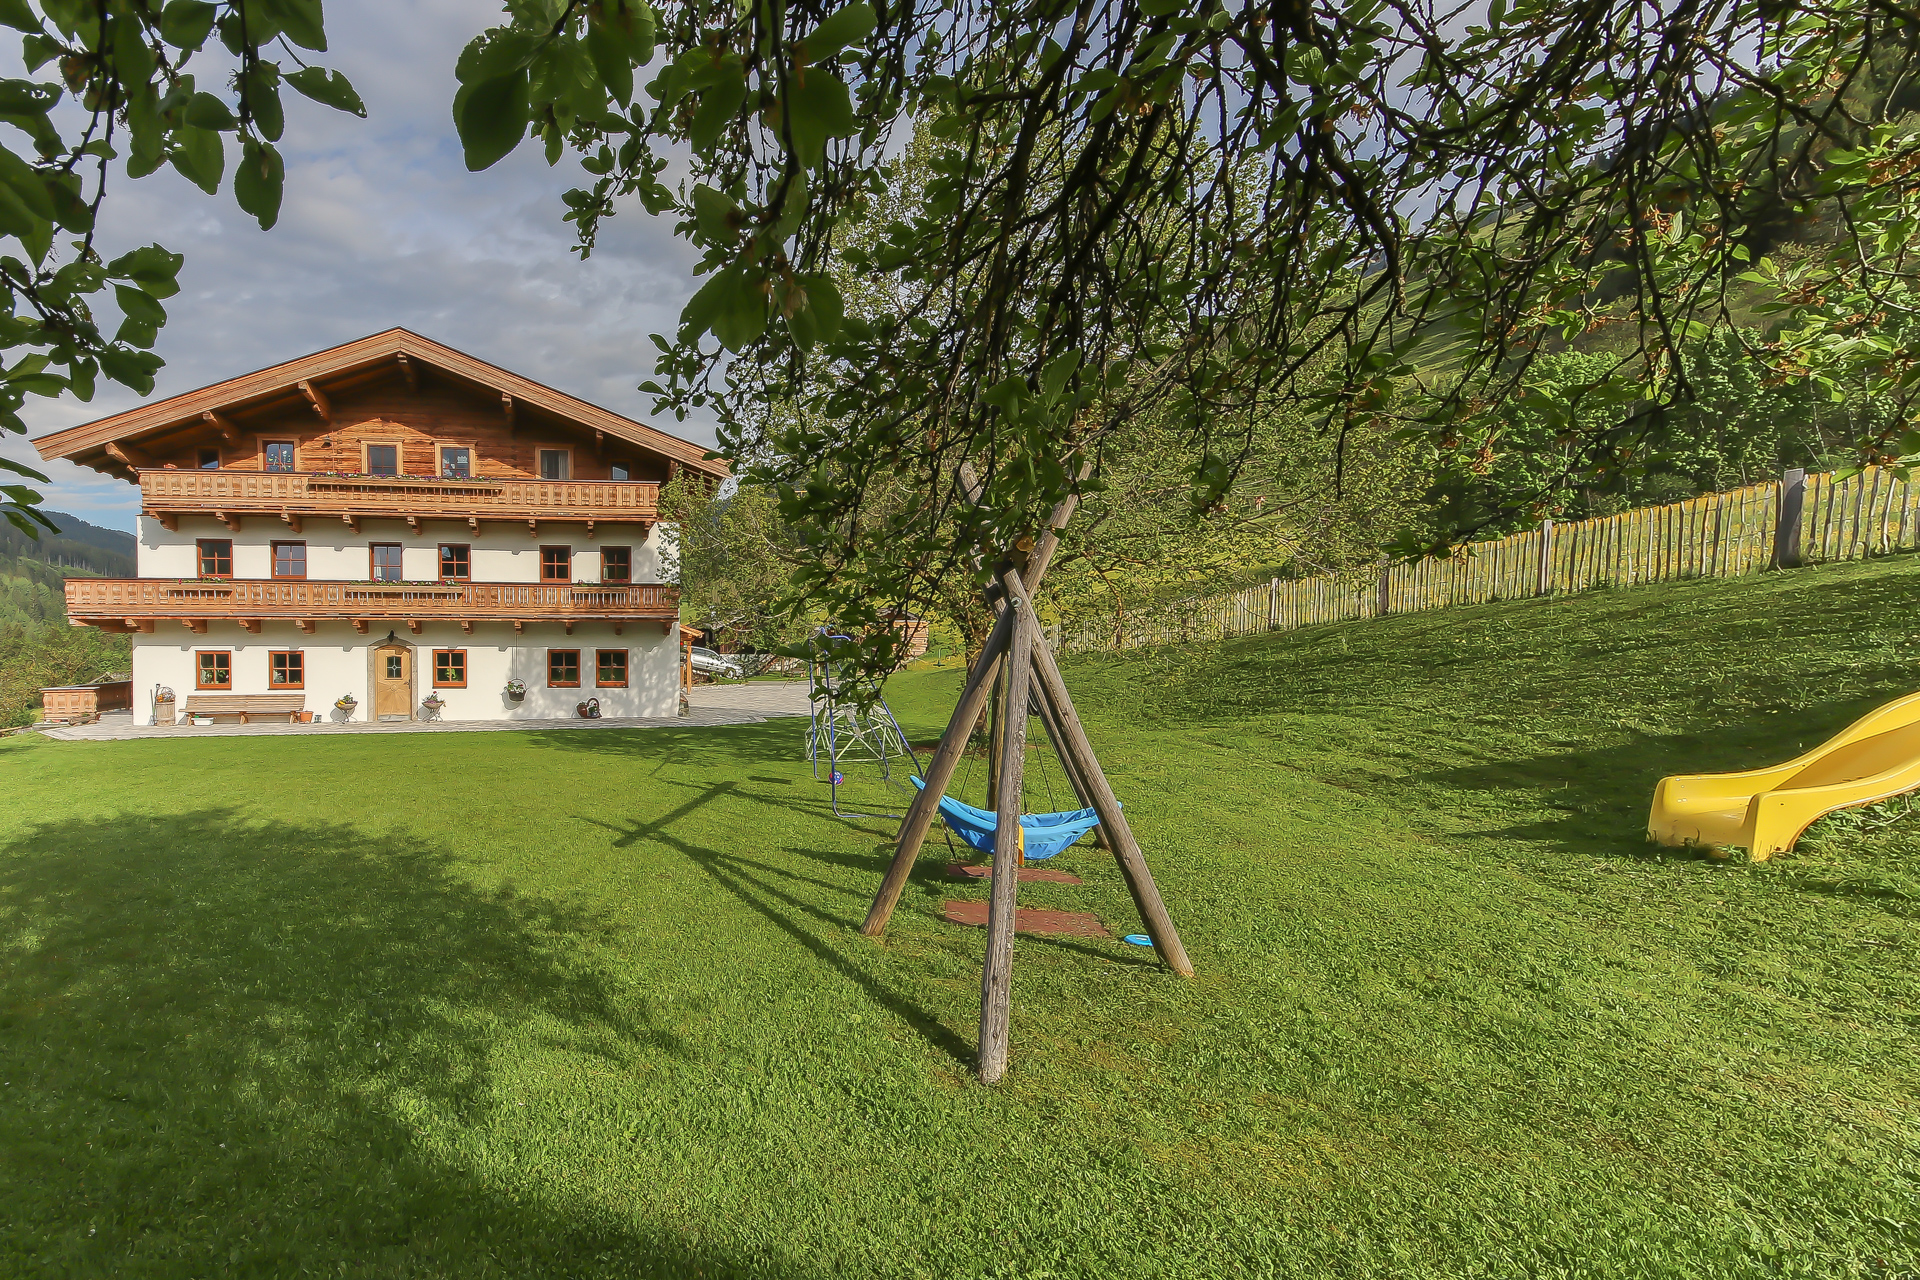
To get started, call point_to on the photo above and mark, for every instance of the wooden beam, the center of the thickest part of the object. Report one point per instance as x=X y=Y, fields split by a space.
x=231 y=519
x=318 y=399
x=360 y=625
x=221 y=423
x=519 y=627
x=413 y=523
x=351 y=521
x=291 y=520
x=142 y=625
x=589 y=530
x=533 y=528
x=619 y=626
x=413 y=625
x=599 y=443
x=169 y=520
x=473 y=523
x=196 y=625
x=568 y=622
x=466 y=625
x=407 y=371
x=250 y=625
x=305 y=624
x=506 y=407
x=996 y=977
x=667 y=625
x=126 y=455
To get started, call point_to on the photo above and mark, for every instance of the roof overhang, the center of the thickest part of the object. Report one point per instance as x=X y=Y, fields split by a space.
x=89 y=444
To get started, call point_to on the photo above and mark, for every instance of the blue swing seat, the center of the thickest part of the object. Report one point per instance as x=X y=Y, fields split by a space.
x=1042 y=834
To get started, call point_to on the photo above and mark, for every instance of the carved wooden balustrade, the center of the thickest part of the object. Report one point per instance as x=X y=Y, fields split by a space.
x=136 y=604
x=296 y=495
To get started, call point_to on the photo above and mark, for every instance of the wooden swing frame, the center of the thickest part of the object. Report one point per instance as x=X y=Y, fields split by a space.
x=1018 y=644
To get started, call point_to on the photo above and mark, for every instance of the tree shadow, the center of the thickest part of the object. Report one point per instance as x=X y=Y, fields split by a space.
x=730 y=745
x=246 y=1048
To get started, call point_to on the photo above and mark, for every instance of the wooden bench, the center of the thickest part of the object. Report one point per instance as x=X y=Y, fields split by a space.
x=246 y=705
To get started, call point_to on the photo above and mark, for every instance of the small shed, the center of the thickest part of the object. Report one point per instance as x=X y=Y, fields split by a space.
x=689 y=637
x=74 y=703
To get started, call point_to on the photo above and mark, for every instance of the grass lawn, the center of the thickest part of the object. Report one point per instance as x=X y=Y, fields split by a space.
x=593 y=1003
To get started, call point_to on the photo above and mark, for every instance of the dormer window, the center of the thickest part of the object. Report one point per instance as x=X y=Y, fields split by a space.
x=278 y=455
x=383 y=459
x=553 y=464
x=456 y=463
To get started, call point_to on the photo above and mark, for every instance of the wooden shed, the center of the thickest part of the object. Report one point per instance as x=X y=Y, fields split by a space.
x=74 y=703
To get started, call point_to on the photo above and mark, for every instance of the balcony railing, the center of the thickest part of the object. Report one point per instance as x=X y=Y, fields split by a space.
x=117 y=603
x=316 y=494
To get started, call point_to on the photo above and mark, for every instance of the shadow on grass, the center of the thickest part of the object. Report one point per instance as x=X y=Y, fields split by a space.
x=245 y=1048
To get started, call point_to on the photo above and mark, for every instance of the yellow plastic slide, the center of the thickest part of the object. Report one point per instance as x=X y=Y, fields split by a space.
x=1765 y=810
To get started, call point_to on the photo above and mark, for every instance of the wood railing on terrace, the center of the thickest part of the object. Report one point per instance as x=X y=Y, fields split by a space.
x=319 y=494
x=117 y=601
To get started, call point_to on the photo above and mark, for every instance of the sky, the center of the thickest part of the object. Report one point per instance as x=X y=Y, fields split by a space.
x=382 y=225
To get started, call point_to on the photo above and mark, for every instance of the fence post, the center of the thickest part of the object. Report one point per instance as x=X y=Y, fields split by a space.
x=1544 y=579
x=1385 y=591
x=1273 y=605
x=1786 y=530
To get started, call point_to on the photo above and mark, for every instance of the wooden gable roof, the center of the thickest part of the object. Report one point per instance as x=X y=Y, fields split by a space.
x=98 y=444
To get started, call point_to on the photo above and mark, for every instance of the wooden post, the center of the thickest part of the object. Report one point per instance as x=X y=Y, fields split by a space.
x=996 y=718
x=1273 y=605
x=1133 y=864
x=1051 y=723
x=953 y=744
x=1544 y=578
x=1786 y=530
x=996 y=977
x=1385 y=590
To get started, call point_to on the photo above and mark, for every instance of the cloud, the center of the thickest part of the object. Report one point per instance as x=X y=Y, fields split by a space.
x=382 y=225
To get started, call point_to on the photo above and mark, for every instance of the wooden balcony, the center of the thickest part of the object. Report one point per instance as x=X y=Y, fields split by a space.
x=296 y=496
x=140 y=604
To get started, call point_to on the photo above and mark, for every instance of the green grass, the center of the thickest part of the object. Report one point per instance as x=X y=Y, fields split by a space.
x=593 y=1003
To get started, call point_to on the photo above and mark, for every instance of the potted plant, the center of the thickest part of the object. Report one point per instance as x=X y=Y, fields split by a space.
x=433 y=702
x=346 y=702
x=516 y=689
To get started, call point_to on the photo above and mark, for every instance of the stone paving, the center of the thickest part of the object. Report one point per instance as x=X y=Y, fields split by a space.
x=708 y=705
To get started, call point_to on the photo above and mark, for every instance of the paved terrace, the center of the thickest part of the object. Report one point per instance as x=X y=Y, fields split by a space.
x=708 y=705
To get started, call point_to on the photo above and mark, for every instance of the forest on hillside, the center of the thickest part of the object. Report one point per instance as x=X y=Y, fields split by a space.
x=37 y=646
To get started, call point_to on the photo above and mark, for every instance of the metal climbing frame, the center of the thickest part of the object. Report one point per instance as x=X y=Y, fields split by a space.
x=841 y=730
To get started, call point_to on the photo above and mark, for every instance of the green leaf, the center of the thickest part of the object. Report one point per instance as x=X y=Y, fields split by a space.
x=837 y=30
x=491 y=117
x=151 y=267
x=15 y=218
x=824 y=303
x=70 y=207
x=732 y=305
x=185 y=24
x=609 y=53
x=302 y=21
x=496 y=53
x=22 y=469
x=818 y=108
x=717 y=215
x=257 y=184
x=25 y=98
x=204 y=111
x=718 y=105
x=20 y=16
x=328 y=88
x=138 y=305
x=263 y=99
x=200 y=156
x=130 y=368
x=25 y=183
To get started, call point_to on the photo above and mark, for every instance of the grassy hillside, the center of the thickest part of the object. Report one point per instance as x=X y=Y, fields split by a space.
x=37 y=647
x=593 y=1003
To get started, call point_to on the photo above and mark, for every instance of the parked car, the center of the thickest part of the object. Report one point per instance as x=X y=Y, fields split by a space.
x=713 y=665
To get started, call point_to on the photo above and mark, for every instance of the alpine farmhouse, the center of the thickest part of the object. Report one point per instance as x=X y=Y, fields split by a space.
x=391 y=523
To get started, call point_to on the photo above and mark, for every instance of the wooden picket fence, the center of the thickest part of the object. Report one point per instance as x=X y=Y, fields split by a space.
x=1827 y=519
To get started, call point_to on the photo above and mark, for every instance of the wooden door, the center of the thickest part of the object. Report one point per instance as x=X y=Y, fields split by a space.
x=393 y=682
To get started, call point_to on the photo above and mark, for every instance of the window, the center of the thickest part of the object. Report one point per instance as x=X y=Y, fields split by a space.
x=396 y=667
x=289 y=559
x=563 y=668
x=619 y=471
x=456 y=463
x=449 y=668
x=279 y=455
x=553 y=464
x=287 y=670
x=616 y=564
x=209 y=460
x=610 y=669
x=456 y=562
x=215 y=670
x=386 y=562
x=216 y=557
x=383 y=459
x=556 y=564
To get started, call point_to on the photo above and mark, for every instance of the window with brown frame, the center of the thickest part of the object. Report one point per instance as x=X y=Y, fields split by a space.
x=556 y=564
x=383 y=459
x=563 y=668
x=289 y=559
x=385 y=561
x=616 y=564
x=215 y=557
x=456 y=562
x=449 y=668
x=214 y=669
x=554 y=464
x=276 y=455
x=456 y=462
x=610 y=668
x=287 y=669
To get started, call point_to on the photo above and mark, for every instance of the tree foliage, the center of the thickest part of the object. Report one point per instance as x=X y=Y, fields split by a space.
x=108 y=89
x=1373 y=212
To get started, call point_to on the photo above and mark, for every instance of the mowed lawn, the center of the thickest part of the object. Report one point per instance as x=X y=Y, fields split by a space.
x=594 y=1003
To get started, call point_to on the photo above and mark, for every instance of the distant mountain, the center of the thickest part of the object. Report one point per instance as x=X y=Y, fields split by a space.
x=79 y=547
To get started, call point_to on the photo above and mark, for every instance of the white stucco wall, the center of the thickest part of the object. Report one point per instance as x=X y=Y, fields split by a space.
x=336 y=663
x=501 y=553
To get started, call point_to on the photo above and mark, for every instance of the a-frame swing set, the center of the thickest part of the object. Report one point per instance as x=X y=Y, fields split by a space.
x=1018 y=643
